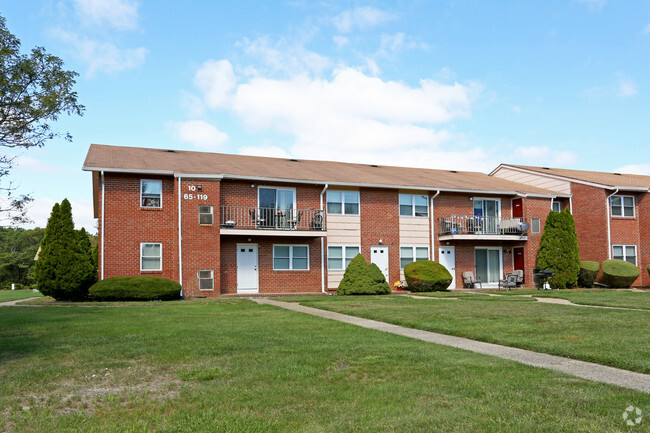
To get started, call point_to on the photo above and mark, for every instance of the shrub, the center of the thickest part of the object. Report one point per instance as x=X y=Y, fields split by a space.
x=144 y=288
x=558 y=250
x=619 y=273
x=588 y=272
x=381 y=285
x=358 y=280
x=427 y=276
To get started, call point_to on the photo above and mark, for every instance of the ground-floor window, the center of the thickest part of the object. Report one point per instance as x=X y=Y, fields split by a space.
x=150 y=256
x=624 y=252
x=206 y=280
x=290 y=257
x=412 y=254
x=338 y=258
x=488 y=264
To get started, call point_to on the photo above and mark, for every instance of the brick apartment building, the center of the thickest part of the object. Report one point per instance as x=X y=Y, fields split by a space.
x=611 y=210
x=228 y=224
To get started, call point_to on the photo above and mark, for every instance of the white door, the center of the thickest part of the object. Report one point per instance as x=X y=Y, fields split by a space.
x=447 y=258
x=379 y=256
x=247 y=276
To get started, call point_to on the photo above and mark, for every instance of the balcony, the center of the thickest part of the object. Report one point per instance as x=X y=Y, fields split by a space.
x=259 y=221
x=458 y=227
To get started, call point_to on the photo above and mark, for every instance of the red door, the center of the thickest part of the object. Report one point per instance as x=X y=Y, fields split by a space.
x=517 y=209
x=519 y=259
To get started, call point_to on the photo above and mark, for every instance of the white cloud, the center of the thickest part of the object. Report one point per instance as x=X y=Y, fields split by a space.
x=361 y=18
x=120 y=14
x=27 y=163
x=545 y=155
x=643 y=169
x=199 y=133
x=393 y=44
x=264 y=150
x=340 y=41
x=216 y=80
x=646 y=29
x=102 y=56
x=192 y=105
x=626 y=86
x=593 y=5
x=287 y=57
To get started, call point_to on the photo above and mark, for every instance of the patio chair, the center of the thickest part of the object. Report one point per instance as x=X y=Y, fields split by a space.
x=471 y=282
x=520 y=276
x=294 y=222
x=510 y=282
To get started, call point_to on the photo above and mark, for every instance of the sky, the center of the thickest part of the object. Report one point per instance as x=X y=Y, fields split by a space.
x=459 y=85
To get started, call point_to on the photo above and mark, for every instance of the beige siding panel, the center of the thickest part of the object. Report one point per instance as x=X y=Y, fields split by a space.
x=533 y=179
x=414 y=232
x=343 y=230
x=334 y=279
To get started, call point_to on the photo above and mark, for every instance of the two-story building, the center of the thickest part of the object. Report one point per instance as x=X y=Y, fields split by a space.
x=234 y=224
x=611 y=210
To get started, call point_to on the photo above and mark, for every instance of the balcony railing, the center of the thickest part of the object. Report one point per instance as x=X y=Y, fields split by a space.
x=263 y=218
x=479 y=225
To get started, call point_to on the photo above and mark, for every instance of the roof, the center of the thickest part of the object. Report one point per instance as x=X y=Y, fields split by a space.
x=608 y=180
x=196 y=164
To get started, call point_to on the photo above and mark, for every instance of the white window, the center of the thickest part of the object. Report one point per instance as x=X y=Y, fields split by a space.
x=556 y=206
x=536 y=225
x=622 y=205
x=291 y=257
x=205 y=215
x=150 y=257
x=412 y=254
x=206 y=280
x=338 y=258
x=624 y=252
x=343 y=202
x=150 y=193
x=413 y=205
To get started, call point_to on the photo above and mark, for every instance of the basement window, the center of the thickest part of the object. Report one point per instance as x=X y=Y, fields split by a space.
x=206 y=215
x=206 y=280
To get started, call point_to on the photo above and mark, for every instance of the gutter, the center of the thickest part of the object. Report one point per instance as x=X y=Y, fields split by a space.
x=322 y=244
x=103 y=213
x=433 y=241
x=609 y=230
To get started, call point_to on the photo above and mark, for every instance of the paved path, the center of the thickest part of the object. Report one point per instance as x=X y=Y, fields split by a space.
x=585 y=370
x=14 y=302
x=562 y=301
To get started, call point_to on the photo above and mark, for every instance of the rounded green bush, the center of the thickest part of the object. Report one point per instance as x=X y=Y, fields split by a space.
x=381 y=285
x=360 y=280
x=427 y=276
x=588 y=272
x=142 y=288
x=619 y=273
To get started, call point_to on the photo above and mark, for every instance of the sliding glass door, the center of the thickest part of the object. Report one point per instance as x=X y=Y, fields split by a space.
x=486 y=215
x=277 y=206
x=488 y=264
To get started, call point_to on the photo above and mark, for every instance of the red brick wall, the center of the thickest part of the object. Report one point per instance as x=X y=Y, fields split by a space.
x=271 y=281
x=127 y=225
x=240 y=193
x=590 y=215
x=627 y=231
x=534 y=208
x=643 y=251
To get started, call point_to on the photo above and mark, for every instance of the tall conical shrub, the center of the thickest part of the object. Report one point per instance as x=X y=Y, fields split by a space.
x=64 y=269
x=558 y=250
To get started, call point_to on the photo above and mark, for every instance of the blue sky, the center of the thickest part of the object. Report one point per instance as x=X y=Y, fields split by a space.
x=448 y=84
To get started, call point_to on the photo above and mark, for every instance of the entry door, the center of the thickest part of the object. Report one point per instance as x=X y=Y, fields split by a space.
x=447 y=258
x=517 y=208
x=518 y=259
x=379 y=256
x=247 y=274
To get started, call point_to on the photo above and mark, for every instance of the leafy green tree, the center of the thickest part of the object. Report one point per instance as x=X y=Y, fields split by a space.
x=64 y=269
x=34 y=91
x=558 y=250
x=18 y=247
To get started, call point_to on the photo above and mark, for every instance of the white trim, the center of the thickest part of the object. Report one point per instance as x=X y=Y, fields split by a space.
x=343 y=191
x=257 y=266
x=433 y=235
x=198 y=276
x=608 y=214
x=399 y=205
x=322 y=245
x=161 y=193
x=291 y=246
x=636 y=252
x=180 y=238
x=343 y=257
x=161 y=256
x=198 y=176
x=276 y=233
x=103 y=218
x=127 y=170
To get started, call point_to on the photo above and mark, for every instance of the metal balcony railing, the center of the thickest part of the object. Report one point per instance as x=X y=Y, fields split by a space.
x=264 y=218
x=479 y=225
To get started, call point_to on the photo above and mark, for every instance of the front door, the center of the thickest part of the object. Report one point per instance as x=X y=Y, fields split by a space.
x=517 y=208
x=447 y=258
x=518 y=260
x=247 y=275
x=379 y=256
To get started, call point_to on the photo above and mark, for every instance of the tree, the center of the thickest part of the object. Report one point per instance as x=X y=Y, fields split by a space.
x=34 y=91
x=18 y=247
x=558 y=250
x=65 y=268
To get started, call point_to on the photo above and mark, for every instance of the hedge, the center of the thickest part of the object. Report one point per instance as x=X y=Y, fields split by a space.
x=427 y=276
x=619 y=273
x=143 y=288
x=588 y=272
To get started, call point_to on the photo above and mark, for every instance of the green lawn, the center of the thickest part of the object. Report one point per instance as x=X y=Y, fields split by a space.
x=604 y=297
x=12 y=295
x=612 y=337
x=234 y=366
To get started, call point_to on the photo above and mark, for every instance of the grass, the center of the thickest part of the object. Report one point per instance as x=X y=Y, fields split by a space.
x=234 y=366
x=602 y=297
x=12 y=295
x=612 y=337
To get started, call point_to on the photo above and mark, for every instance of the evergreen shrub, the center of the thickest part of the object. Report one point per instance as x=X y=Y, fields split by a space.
x=358 y=279
x=140 y=288
x=619 y=273
x=587 y=274
x=427 y=276
x=558 y=250
x=381 y=285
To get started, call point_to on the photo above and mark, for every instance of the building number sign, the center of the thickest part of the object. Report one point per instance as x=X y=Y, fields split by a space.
x=192 y=195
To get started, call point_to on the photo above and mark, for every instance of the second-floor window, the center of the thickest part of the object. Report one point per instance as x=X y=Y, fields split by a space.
x=413 y=205
x=205 y=215
x=343 y=202
x=557 y=207
x=622 y=205
x=150 y=193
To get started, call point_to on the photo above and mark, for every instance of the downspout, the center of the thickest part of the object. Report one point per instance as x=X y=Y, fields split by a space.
x=571 y=204
x=322 y=244
x=103 y=213
x=609 y=231
x=552 y=200
x=180 y=238
x=433 y=242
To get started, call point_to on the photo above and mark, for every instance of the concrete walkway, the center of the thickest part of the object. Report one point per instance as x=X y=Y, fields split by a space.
x=585 y=370
x=562 y=301
x=14 y=302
